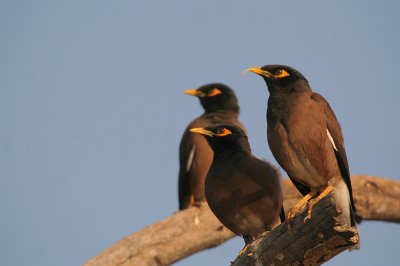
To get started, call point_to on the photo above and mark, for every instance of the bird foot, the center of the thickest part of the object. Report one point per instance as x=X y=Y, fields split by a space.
x=197 y=204
x=194 y=202
x=312 y=203
x=298 y=208
x=244 y=249
x=292 y=214
x=309 y=212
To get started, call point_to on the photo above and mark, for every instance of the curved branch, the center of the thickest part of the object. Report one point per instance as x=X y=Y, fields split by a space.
x=195 y=229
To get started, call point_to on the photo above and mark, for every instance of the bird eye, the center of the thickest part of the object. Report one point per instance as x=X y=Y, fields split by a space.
x=281 y=73
x=214 y=92
x=220 y=132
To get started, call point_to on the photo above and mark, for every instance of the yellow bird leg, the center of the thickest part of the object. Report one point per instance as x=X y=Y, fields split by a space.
x=297 y=207
x=324 y=193
x=191 y=200
x=244 y=249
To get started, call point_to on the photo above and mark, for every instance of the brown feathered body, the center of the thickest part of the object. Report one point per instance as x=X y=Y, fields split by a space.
x=305 y=137
x=243 y=192
x=195 y=155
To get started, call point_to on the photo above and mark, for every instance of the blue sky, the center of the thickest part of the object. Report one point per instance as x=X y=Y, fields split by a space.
x=92 y=110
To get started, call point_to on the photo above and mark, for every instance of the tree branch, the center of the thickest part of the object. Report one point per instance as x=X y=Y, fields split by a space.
x=311 y=243
x=195 y=229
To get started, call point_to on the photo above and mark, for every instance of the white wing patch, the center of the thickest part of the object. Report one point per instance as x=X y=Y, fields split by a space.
x=331 y=139
x=190 y=158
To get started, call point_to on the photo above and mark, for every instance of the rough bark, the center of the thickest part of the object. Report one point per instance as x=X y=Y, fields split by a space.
x=195 y=229
x=162 y=243
x=311 y=243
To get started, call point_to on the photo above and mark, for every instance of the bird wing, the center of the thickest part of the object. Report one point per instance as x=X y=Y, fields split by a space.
x=334 y=133
x=186 y=148
x=304 y=190
x=195 y=157
x=250 y=189
x=280 y=146
x=265 y=180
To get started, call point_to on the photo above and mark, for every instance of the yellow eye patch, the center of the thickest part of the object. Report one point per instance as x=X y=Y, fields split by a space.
x=281 y=73
x=223 y=132
x=214 y=92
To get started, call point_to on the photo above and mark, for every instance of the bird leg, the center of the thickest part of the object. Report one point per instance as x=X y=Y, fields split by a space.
x=244 y=249
x=297 y=207
x=193 y=202
x=247 y=240
x=325 y=192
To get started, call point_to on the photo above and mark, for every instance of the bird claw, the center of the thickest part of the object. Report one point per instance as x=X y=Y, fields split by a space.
x=309 y=211
x=313 y=202
x=308 y=217
x=244 y=249
x=298 y=208
x=292 y=214
x=194 y=202
x=197 y=204
x=289 y=221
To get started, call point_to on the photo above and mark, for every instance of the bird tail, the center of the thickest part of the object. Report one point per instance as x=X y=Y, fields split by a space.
x=282 y=214
x=355 y=218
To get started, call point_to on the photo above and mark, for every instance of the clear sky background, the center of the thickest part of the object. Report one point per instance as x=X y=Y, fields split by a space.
x=92 y=110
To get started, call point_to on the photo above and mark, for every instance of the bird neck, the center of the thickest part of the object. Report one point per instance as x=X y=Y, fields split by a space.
x=281 y=99
x=231 y=150
x=288 y=88
x=230 y=107
x=228 y=112
x=229 y=155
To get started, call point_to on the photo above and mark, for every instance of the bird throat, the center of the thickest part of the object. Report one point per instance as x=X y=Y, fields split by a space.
x=230 y=106
x=227 y=156
x=228 y=151
x=279 y=103
x=281 y=99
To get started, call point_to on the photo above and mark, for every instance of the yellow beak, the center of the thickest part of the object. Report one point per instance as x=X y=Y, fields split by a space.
x=259 y=71
x=194 y=92
x=201 y=131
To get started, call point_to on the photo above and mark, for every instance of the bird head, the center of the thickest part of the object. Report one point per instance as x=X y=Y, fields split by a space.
x=281 y=77
x=224 y=137
x=215 y=96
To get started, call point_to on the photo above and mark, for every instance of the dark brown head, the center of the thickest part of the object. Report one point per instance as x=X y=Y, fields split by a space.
x=224 y=138
x=215 y=97
x=281 y=78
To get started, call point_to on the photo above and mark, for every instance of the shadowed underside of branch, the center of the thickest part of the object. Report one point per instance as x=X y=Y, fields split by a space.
x=195 y=229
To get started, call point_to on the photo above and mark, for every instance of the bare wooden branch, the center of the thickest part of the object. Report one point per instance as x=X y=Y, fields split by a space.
x=311 y=243
x=195 y=229
x=375 y=198
x=178 y=236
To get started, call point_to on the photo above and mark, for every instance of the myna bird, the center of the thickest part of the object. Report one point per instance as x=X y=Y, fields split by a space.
x=243 y=192
x=195 y=156
x=306 y=139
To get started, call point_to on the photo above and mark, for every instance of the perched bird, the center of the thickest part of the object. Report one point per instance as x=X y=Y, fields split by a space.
x=306 y=140
x=195 y=155
x=243 y=192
